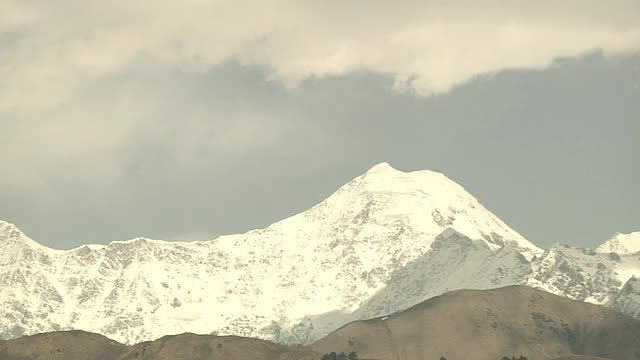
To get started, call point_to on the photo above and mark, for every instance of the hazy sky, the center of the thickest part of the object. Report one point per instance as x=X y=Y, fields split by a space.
x=192 y=119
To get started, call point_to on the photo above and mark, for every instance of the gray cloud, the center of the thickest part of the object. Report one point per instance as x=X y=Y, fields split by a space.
x=52 y=53
x=157 y=151
x=163 y=118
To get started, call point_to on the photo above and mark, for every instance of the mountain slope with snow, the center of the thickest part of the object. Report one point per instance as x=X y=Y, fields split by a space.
x=583 y=274
x=383 y=242
x=606 y=276
x=622 y=244
x=293 y=281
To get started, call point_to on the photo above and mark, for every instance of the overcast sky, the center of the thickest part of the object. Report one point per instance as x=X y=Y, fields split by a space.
x=196 y=118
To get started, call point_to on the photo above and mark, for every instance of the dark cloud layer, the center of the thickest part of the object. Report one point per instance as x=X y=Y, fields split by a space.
x=162 y=153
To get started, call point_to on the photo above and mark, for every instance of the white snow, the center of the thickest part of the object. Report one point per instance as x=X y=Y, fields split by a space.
x=622 y=243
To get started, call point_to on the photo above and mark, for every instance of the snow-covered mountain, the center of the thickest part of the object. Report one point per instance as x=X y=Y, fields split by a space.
x=583 y=274
x=381 y=243
x=605 y=276
x=622 y=244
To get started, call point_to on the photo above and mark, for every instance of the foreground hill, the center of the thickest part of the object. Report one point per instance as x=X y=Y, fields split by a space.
x=80 y=345
x=464 y=324
x=475 y=324
x=63 y=345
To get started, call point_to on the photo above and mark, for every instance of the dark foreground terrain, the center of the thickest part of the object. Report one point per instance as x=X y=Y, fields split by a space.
x=465 y=324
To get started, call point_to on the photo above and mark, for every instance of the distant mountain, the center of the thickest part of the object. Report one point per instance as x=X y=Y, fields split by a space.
x=488 y=324
x=383 y=242
x=589 y=275
x=464 y=324
x=622 y=244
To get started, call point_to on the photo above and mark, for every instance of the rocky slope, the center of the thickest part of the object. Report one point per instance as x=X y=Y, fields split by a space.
x=588 y=275
x=383 y=242
x=627 y=299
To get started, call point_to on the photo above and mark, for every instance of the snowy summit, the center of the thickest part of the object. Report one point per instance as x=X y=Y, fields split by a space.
x=622 y=243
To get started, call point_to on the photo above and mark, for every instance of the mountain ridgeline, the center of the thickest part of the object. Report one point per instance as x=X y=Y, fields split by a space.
x=382 y=243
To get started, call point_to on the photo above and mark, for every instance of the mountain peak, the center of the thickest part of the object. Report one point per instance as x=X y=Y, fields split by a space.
x=424 y=201
x=622 y=243
x=386 y=168
x=265 y=282
x=12 y=237
x=4 y=226
x=383 y=177
x=9 y=232
x=381 y=167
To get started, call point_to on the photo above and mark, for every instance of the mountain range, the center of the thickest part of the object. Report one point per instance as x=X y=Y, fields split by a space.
x=382 y=243
x=513 y=321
